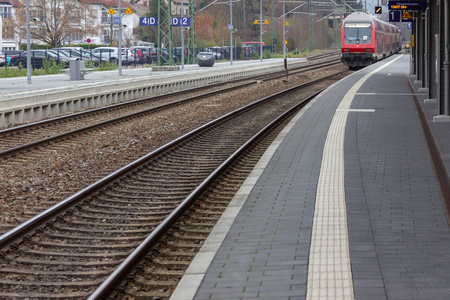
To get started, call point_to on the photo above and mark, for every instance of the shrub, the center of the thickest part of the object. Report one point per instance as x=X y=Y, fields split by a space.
x=107 y=65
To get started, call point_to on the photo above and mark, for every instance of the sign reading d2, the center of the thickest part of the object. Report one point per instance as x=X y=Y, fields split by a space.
x=181 y=22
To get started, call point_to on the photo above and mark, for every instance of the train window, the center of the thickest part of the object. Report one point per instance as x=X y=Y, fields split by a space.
x=358 y=33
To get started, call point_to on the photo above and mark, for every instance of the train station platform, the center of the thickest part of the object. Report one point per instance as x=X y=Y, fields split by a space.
x=345 y=204
x=54 y=95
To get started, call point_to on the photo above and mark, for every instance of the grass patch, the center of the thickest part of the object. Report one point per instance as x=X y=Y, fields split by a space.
x=107 y=65
x=50 y=67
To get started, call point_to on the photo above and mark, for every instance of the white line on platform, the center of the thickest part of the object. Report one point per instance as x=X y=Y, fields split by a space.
x=389 y=94
x=356 y=110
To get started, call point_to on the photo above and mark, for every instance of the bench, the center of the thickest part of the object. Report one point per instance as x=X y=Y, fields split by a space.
x=77 y=69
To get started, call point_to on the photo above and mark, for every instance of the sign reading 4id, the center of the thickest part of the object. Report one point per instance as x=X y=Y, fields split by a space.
x=181 y=22
x=148 y=21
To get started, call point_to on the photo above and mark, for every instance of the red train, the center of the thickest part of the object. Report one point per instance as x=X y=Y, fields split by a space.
x=365 y=40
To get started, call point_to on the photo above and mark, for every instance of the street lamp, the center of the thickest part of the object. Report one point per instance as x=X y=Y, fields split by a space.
x=182 y=35
x=260 y=31
x=28 y=45
x=56 y=24
x=231 y=32
x=284 y=32
x=119 y=42
x=230 y=26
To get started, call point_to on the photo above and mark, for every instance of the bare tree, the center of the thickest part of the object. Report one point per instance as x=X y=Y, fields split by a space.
x=55 y=20
x=11 y=28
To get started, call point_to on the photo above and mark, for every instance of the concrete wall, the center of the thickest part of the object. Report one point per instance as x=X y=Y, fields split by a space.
x=28 y=108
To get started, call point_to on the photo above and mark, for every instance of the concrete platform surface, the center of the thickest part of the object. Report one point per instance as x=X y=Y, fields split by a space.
x=345 y=204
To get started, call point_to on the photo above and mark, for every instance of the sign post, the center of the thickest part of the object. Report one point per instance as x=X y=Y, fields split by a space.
x=119 y=42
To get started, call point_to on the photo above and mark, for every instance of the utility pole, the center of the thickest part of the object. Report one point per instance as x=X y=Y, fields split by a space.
x=311 y=26
x=231 y=32
x=260 y=31
x=55 y=36
x=182 y=35
x=28 y=45
x=119 y=40
x=191 y=34
x=165 y=31
x=284 y=31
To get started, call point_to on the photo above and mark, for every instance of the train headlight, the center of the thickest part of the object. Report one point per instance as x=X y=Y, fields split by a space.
x=346 y=49
x=368 y=49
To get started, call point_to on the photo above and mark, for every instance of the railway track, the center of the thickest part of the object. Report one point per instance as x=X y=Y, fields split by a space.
x=69 y=250
x=44 y=171
x=23 y=138
x=41 y=177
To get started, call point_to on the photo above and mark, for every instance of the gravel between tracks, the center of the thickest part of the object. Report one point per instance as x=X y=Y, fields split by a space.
x=36 y=183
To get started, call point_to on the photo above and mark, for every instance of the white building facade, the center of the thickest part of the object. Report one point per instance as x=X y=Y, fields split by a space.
x=106 y=23
x=7 y=10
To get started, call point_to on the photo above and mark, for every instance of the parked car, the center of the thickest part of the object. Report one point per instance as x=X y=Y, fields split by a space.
x=149 y=53
x=165 y=54
x=38 y=57
x=2 y=59
x=12 y=56
x=85 y=55
x=218 y=52
x=177 y=52
x=138 y=56
x=112 y=54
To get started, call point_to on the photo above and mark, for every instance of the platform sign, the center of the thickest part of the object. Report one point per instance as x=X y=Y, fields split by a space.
x=148 y=21
x=409 y=25
x=181 y=22
x=129 y=11
x=394 y=16
x=406 y=16
x=407 y=5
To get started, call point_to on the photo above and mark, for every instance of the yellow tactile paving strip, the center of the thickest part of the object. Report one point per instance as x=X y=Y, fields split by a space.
x=329 y=268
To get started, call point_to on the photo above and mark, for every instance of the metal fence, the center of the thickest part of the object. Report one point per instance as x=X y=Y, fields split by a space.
x=132 y=57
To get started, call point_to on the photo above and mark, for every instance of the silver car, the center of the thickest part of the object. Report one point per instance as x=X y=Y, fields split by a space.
x=112 y=54
x=2 y=59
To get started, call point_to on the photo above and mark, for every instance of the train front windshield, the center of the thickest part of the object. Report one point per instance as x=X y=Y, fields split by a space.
x=357 y=33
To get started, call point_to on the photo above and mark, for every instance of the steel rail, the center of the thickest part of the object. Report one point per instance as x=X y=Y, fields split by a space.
x=66 y=135
x=13 y=237
x=79 y=115
x=113 y=281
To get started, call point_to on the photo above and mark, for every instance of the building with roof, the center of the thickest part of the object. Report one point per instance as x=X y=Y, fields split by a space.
x=7 y=10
